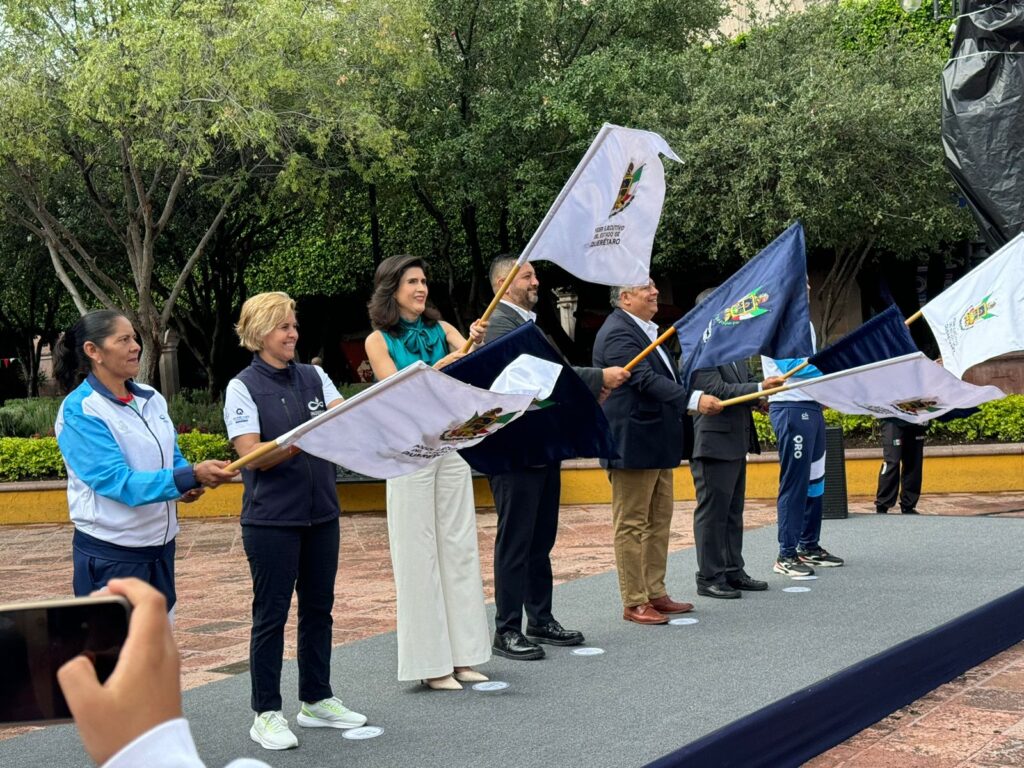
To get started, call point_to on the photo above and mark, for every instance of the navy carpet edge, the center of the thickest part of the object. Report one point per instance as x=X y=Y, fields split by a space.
x=810 y=721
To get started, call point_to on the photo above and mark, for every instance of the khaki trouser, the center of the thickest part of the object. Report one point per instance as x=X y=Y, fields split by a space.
x=642 y=519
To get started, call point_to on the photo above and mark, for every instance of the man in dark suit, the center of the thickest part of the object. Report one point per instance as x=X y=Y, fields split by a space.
x=648 y=419
x=526 y=501
x=719 y=469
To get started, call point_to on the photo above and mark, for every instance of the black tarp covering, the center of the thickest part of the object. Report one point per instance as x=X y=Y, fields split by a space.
x=983 y=115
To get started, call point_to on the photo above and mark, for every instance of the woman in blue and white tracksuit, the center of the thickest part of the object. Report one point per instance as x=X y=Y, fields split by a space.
x=800 y=432
x=125 y=471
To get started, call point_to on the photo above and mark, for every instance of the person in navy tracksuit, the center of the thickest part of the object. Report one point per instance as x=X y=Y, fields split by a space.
x=800 y=432
x=125 y=471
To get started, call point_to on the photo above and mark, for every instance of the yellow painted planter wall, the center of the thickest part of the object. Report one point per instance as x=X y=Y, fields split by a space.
x=975 y=473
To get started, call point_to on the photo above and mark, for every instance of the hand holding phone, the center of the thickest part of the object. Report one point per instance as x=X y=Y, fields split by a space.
x=144 y=689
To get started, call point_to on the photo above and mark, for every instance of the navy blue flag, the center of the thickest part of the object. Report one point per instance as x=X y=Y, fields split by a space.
x=567 y=425
x=762 y=309
x=882 y=337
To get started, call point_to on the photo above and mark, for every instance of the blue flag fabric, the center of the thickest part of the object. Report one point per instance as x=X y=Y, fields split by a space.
x=762 y=309
x=567 y=425
x=883 y=337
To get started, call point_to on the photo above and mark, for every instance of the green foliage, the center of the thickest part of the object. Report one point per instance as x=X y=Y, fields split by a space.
x=999 y=421
x=194 y=410
x=30 y=459
x=197 y=446
x=29 y=417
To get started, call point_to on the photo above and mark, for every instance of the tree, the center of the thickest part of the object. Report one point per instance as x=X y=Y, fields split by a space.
x=829 y=116
x=138 y=106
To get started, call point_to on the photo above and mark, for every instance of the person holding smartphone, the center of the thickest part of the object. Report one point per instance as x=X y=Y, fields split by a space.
x=134 y=717
x=120 y=448
x=290 y=517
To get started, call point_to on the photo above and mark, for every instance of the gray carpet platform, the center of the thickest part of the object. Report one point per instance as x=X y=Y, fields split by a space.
x=654 y=689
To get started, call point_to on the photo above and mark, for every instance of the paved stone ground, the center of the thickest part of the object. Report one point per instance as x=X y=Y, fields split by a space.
x=974 y=721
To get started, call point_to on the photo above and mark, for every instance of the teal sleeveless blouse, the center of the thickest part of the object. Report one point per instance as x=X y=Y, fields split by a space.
x=417 y=341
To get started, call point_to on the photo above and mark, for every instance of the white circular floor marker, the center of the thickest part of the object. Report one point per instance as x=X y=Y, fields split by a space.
x=805 y=578
x=796 y=589
x=366 y=732
x=683 y=622
x=587 y=651
x=490 y=686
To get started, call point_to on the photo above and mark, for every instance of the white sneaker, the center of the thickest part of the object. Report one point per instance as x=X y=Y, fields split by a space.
x=270 y=730
x=329 y=713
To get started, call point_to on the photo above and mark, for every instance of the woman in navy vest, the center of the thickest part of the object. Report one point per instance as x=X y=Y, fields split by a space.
x=442 y=626
x=289 y=521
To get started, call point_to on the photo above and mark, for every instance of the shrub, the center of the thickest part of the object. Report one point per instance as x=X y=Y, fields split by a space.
x=29 y=416
x=30 y=459
x=197 y=446
x=194 y=409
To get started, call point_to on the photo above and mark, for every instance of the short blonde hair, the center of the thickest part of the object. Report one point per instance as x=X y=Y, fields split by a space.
x=260 y=315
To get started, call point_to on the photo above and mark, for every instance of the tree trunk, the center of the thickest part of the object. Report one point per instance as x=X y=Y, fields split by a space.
x=840 y=279
x=375 y=249
x=476 y=258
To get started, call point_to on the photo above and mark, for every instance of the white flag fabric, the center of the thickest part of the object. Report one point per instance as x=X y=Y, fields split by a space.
x=911 y=387
x=528 y=375
x=601 y=226
x=981 y=315
x=405 y=422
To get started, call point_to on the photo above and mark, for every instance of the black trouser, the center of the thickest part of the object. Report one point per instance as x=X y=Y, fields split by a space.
x=902 y=463
x=718 y=519
x=283 y=559
x=526 y=501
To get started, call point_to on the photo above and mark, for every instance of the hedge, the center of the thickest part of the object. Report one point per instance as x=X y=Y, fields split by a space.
x=39 y=458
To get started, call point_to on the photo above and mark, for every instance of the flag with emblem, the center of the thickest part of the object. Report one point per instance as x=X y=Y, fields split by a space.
x=407 y=421
x=882 y=337
x=910 y=387
x=567 y=423
x=981 y=315
x=601 y=226
x=761 y=309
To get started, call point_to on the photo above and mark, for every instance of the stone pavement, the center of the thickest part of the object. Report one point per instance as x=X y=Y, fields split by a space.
x=976 y=720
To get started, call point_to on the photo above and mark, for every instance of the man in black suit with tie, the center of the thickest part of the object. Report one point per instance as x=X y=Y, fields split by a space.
x=526 y=501
x=648 y=419
x=719 y=468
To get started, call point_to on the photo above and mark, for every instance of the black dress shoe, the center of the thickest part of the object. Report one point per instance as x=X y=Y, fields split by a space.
x=553 y=633
x=746 y=583
x=910 y=511
x=723 y=591
x=512 y=645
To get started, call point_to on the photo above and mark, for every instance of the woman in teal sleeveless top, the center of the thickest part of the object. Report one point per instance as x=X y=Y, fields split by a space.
x=442 y=625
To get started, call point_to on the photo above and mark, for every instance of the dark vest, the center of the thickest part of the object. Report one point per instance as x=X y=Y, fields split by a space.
x=300 y=490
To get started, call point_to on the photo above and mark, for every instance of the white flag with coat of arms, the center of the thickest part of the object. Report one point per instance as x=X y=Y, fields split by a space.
x=911 y=387
x=601 y=226
x=407 y=421
x=981 y=315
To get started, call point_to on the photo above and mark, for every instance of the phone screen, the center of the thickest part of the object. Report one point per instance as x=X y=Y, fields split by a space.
x=36 y=640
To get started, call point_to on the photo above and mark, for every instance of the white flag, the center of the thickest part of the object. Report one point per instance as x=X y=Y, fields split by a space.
x=601 y=226
x=911 y=387
x=981 y=315
x=405 y=422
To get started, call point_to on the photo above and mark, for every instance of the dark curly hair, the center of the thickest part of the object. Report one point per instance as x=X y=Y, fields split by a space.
x=382 y=306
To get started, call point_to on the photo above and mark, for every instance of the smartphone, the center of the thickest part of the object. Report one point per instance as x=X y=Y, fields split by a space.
x=36 y=639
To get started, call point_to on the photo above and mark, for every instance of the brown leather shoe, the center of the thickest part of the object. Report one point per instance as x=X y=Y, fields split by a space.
x=666 y=604
x=644 y=614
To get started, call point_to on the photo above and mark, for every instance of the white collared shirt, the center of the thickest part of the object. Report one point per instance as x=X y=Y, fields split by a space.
x=651 y=331
x=523 y=313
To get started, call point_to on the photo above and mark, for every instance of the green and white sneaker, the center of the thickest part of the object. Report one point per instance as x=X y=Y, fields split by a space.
x=270 y=730
x=329 y=713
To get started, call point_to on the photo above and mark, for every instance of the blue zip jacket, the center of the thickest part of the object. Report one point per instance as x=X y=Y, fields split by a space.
x=125 y=470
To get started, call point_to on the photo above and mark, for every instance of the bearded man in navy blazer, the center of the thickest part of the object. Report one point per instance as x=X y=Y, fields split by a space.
x=648 y=417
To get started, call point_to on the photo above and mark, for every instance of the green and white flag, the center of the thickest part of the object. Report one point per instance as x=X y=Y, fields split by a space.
x=911 y=387
x=601 y=226
x=981 y=315
x=407 y=421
